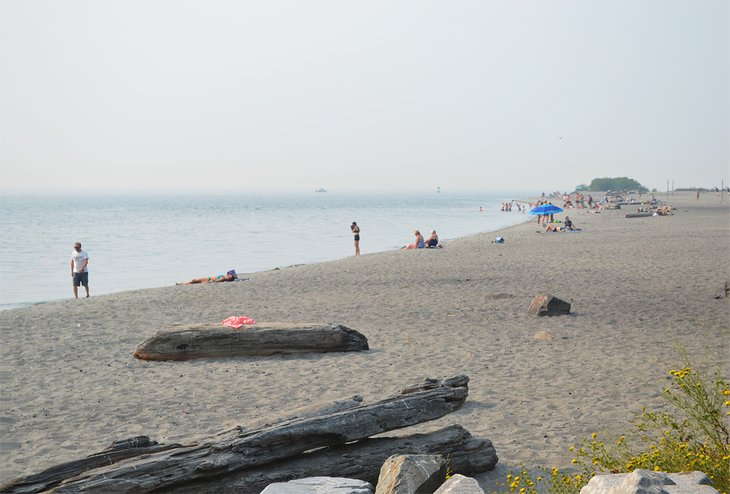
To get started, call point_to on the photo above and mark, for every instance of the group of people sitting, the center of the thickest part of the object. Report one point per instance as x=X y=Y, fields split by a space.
x=432 y=242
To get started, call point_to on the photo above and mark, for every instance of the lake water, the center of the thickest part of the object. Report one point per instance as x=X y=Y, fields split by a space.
x=150 y=241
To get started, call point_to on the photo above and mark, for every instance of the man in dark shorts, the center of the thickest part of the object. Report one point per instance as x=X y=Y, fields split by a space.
x=79 y=271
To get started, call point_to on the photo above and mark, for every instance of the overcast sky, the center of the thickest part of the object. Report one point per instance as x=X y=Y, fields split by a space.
x=173 y=95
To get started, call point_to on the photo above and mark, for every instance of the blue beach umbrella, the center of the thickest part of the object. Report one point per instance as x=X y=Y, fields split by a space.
x=546 y=209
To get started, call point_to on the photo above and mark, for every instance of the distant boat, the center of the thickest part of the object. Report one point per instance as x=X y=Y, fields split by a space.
x=438 y=190
x=321 y=190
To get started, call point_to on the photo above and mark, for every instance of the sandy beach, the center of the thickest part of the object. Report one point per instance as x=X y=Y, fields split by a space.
x=638 y=287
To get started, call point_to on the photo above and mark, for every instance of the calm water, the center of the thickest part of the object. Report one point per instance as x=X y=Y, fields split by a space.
x=146 y=241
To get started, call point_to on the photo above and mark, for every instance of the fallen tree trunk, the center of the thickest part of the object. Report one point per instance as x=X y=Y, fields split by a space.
x=362 y=460
x=137 y=446
x=215 y=341
x=234 y=450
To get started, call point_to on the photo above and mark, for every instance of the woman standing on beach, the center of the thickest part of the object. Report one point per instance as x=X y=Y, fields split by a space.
x=356 y=236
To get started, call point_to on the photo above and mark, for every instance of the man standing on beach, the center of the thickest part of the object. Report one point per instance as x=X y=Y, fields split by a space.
x=79 y=271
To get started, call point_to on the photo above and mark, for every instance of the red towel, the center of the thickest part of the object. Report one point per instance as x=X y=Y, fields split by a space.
x=237 y=321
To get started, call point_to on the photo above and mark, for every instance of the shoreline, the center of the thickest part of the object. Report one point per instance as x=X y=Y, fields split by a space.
x=23 y=305
x=638 y=288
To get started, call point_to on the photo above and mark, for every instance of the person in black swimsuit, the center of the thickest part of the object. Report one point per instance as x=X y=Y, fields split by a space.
x=356 y=236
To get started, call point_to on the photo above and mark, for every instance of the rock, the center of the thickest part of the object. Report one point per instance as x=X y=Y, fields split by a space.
x=458 y=484
x=409 y=474
x=543 y=335
x=547 y=305
x=648 y=482
x=320 y=485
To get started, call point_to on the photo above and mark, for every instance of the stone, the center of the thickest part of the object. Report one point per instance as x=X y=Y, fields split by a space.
x=458 y=484
x=320 y=485
x=543 y=335
x=547 y=305
x=410 y=474
x=648 y=482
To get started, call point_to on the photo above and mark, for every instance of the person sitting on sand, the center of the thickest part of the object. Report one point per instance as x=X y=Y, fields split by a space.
x=229 y=276
x=432 y=241
x=418 y=244
x=569 y=224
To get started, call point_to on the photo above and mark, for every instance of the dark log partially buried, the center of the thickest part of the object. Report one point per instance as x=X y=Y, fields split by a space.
x=253 y=448
x=362 y=460
x=216 y=341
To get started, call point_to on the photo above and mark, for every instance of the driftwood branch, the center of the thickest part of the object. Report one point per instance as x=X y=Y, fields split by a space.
x=215 y=341
x=240 y=449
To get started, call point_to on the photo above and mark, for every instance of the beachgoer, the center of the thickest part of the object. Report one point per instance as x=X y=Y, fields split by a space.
x=229 y=276
x=356 y=236
x=418 y=244
x=79 y=269
x=569 y=224
x=433 y=240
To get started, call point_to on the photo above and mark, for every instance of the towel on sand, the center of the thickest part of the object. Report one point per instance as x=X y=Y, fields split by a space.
x=237 y=321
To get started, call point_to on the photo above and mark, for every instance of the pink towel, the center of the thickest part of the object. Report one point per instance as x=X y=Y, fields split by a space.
x=237 y=321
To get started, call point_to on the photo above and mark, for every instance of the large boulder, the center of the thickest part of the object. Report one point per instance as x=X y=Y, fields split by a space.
x=648 y=482
x=458 y=484
x=320 y=485
x=547 y=305
x=410 y=474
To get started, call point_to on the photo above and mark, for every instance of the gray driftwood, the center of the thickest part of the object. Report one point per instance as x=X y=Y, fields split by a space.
x=216 y=341
x=360 y=460
x=240 y=449
x=136 y=446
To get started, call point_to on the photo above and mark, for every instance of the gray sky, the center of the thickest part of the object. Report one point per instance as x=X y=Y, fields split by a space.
x=143 y=95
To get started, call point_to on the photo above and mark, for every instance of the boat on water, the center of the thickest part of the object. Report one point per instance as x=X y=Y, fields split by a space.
x=321 y=190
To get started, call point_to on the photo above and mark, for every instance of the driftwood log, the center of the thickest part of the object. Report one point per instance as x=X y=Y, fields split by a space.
x=361 y=460
x=216 y=341
x=240 y=449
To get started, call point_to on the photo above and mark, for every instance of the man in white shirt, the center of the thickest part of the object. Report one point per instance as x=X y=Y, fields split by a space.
x=79 y=272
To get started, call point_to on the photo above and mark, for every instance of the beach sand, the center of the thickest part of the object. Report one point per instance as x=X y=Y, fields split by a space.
x=638 y=288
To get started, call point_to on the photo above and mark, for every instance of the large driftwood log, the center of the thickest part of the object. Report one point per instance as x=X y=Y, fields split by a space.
x=361 y=460
x=215 y=341
x=136 y=446
x=236 y=450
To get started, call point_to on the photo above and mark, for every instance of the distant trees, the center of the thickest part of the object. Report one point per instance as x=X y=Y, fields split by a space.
x=618 y=183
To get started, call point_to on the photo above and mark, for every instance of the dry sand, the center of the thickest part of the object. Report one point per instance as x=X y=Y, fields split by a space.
x=638 y=288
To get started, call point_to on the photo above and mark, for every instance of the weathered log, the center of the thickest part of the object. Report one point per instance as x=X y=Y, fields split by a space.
x=248 y=448
x=215 y=341
x=360 y=460
x=136 y=446
x=119 y=450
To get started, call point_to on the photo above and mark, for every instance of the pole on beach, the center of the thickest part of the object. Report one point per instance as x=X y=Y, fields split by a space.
x=672 y=188
x=667 y=190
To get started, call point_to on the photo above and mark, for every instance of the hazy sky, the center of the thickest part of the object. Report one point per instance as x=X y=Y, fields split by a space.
x=141 y=95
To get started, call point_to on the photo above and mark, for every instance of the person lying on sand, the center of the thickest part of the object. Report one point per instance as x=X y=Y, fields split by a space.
x=229 y=276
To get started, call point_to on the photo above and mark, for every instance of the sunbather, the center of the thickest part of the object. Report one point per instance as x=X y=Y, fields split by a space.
x=229 y=276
